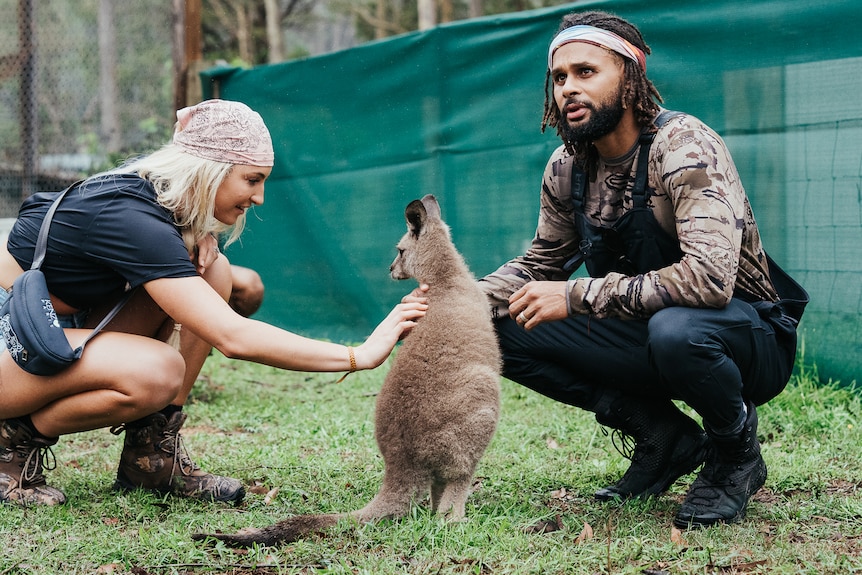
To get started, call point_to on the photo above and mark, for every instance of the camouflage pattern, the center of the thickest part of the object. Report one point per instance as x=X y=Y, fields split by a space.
x=154 y=457
x=23 y=458
x=696 y=197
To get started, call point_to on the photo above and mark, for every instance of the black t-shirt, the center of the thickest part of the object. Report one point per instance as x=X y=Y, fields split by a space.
x=108 y=235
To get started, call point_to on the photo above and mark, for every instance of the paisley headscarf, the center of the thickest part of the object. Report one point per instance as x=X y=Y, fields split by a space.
x=224 y=131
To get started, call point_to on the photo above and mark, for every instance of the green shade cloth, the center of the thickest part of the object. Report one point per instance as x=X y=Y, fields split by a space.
x=456 y=110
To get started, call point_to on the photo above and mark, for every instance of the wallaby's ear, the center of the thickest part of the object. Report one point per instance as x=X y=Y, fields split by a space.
x=415 y=214
x=432 y=208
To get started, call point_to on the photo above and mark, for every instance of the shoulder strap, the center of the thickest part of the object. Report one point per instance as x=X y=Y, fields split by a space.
x=39 y=257
x=42 y=240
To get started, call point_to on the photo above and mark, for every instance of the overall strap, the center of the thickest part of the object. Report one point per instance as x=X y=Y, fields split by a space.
x=39 y=257
x=645 y=143
x=579 y=188
x=645 y=140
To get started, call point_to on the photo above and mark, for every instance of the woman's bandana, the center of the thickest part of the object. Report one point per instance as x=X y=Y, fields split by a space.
x=598 y=37
x=224 y=131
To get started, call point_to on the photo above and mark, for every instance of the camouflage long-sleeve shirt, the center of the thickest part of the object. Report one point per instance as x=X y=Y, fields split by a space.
x=696 y=197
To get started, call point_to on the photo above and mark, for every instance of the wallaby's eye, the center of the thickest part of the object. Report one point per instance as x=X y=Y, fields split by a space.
x=400 y=251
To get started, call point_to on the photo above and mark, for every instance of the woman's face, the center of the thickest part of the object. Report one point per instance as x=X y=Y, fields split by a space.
x=241 y=189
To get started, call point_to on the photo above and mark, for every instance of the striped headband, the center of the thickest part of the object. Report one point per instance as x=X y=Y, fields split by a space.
x=599 y=37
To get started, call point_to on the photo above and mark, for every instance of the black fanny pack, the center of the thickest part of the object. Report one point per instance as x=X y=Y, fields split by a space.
x=29 y=325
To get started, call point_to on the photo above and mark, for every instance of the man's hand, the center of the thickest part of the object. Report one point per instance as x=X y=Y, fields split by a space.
x=538 y=302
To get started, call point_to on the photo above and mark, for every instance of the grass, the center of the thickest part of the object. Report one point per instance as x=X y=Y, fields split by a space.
x=303 y=444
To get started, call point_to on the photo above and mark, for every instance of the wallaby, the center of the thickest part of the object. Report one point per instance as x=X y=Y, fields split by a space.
x=440 y=402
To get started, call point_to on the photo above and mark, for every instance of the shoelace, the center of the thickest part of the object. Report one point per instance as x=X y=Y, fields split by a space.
x=39 y=458
x=708 y=486
x=624 y=443
x=172 y=441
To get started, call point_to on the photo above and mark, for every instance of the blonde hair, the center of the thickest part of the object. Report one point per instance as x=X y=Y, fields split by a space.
x=186 y=186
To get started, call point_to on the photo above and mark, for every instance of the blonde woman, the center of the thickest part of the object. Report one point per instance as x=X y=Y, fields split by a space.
x=151 y=227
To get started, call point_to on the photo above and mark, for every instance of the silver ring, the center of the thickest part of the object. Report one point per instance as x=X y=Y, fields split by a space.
x=522 y=318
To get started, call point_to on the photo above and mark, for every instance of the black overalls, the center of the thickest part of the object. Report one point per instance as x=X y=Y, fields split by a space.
x=712 y=359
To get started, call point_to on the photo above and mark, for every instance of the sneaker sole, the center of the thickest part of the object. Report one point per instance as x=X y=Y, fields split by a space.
x=125 y=486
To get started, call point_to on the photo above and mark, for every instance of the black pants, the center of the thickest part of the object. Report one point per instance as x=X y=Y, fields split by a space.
x=713 y=360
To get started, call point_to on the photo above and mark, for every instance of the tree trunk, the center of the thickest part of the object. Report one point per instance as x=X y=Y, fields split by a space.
x=275 y=41
x=109 y=118
x=178 y=52
x=446 y=11
x=243 y=32
x=427 y=14
x=379 y=31
x=476 y=9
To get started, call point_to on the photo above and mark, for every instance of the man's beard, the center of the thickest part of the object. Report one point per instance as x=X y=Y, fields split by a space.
x=604 y=118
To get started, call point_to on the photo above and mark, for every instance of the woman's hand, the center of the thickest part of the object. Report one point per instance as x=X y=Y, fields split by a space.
x=394 y=327
x=418 y=295
x=206 y=253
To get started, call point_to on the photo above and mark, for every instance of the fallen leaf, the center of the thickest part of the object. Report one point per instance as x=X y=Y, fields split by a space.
x=545 y=526
x=258 y=488
x=739 y=567
x=270 y=496
x=677 y=538
x=552 y=444
x=559 y=493
x=586 y=533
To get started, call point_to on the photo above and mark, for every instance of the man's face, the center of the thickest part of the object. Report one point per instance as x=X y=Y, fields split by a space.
x=588 y=87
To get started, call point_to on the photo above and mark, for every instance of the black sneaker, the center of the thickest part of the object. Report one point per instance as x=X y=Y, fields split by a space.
x=733 y=473
x=662 y=443
x=655 y=468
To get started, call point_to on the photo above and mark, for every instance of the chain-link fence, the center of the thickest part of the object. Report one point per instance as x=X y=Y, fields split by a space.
x=82 y=84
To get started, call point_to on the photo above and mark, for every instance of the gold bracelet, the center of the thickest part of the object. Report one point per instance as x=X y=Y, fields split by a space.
x=352 y=359
x=352 y=364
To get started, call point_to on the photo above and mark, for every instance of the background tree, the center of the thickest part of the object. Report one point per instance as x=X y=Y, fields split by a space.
x=110 y=130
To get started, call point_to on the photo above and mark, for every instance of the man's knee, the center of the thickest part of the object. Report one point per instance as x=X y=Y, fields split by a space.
x=671 y=332
x=247 y=290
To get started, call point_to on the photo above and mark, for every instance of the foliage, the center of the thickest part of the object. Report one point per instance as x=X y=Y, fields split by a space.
x=303 y=444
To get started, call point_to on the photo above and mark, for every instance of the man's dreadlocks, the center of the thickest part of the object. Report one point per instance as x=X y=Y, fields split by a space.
x=639 y=91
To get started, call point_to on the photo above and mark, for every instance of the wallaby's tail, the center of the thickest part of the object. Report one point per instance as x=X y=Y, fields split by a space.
x=389 y=502
x=285 y=531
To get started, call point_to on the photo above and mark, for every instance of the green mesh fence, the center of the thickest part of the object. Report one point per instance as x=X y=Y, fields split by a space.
x=455 y=111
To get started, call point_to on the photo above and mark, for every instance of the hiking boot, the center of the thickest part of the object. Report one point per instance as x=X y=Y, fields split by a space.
x=154 y=457
x=662 y=443
x=23 y=458
x=734 y=471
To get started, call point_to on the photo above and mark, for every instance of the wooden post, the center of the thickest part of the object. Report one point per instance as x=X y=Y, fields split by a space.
x=27 y=97
x=194 y=52
x=187 y=52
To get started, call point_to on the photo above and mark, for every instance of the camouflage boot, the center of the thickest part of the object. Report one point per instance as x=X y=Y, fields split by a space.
x=155 y=458
x=23 y=458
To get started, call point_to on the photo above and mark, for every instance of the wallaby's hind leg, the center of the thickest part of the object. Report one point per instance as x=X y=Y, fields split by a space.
x=399 y=491
x=449 y=498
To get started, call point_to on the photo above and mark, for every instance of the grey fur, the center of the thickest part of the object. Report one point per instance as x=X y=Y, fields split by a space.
x=439 y=405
